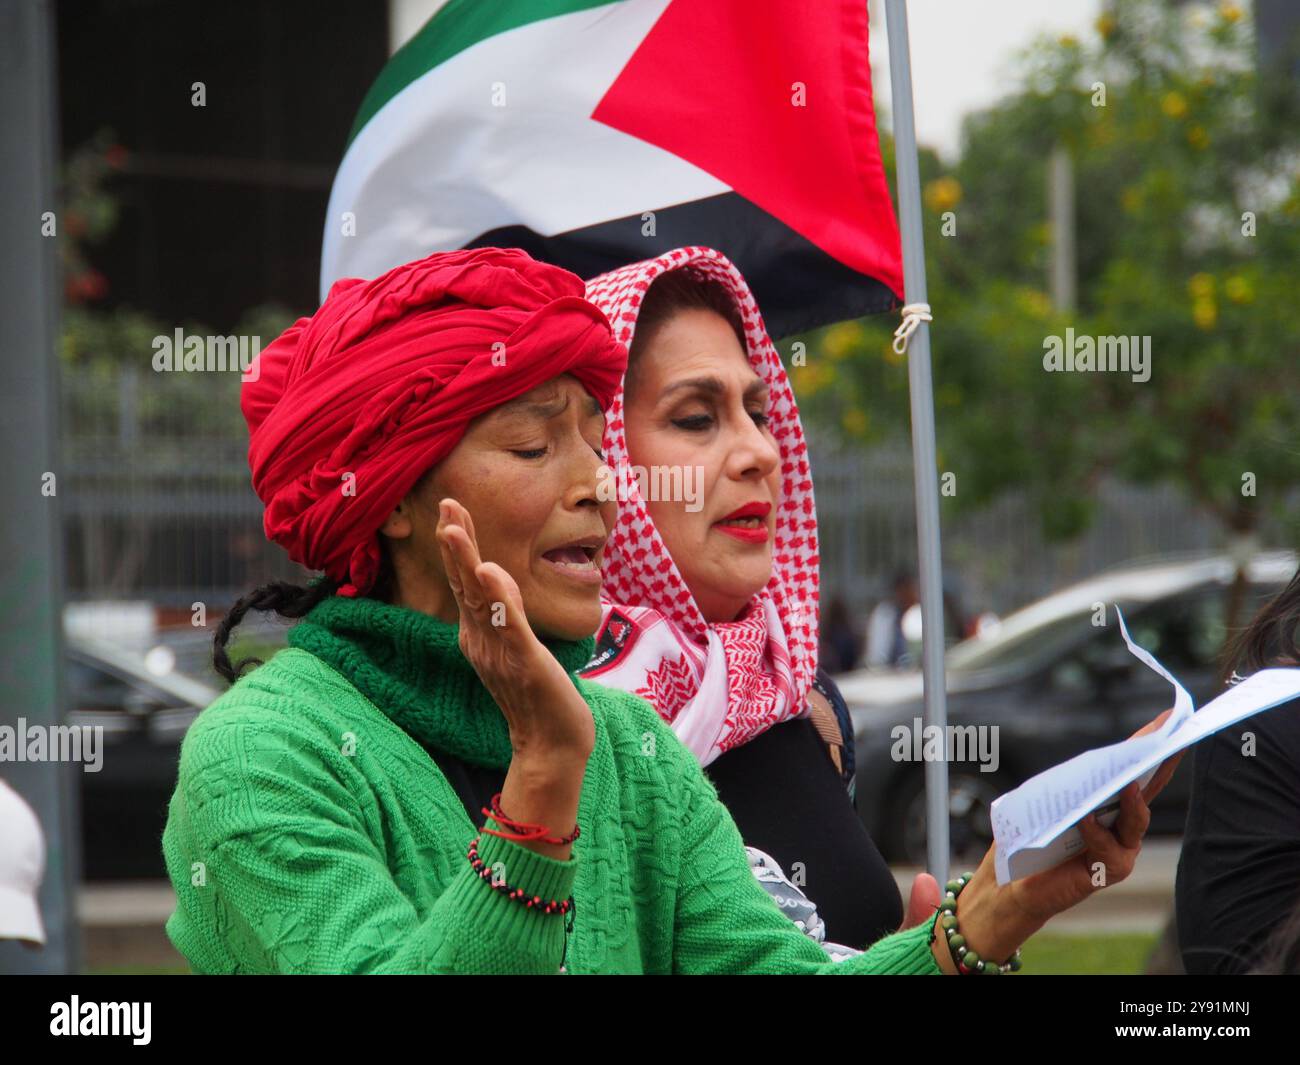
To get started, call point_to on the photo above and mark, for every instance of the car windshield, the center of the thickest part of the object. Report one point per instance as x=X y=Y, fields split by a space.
x=1003 y=648
x=1184 y=631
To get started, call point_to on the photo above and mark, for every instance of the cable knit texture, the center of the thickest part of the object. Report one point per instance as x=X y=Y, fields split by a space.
x=310 y=831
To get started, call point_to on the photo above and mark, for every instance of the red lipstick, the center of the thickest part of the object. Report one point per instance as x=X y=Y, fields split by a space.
x=747 y=523
x=750 y=510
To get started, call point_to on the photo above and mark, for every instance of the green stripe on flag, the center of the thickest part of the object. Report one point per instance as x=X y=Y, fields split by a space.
x=458 y=25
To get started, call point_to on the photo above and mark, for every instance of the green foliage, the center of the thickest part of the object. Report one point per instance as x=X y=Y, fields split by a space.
x=107 y=354
x=87 y=214
x=1187 y=143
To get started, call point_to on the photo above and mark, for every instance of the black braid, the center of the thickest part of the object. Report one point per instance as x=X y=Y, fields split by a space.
x=293 y=601
x=287 y=600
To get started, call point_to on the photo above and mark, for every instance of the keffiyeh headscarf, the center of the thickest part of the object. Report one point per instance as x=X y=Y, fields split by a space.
x=348 y=408
x=718 y=685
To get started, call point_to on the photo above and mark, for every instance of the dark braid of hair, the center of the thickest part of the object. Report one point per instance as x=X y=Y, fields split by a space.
x=287 y=600
x=293 y=601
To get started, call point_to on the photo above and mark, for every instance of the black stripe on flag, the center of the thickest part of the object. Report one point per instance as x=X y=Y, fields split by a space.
x=797 y=285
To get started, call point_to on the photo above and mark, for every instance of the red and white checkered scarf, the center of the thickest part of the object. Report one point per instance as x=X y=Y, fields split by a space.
x=722 y=684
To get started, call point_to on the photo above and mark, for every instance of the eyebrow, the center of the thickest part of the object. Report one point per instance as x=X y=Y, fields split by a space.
x=714 y=386
x=546 y=408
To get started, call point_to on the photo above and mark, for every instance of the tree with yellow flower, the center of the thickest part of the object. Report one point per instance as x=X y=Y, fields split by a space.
x=1188 y=232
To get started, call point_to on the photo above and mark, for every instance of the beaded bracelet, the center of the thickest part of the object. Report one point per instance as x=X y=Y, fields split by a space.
x=522 y=831
x=518 y=894
x=966 y=960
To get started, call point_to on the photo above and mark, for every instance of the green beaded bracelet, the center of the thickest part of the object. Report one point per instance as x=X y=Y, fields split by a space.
x=966 y=960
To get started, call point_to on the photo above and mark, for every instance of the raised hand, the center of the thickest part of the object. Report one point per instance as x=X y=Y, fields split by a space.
x=551 y=728
x=544 y=710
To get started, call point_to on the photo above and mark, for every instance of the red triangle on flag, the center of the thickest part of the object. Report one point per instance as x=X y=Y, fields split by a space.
x=775 y=100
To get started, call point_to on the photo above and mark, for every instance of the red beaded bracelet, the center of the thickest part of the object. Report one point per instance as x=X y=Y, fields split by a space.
x=522 y=831
x=518 y=894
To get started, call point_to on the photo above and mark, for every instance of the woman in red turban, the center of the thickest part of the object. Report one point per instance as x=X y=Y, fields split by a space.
x=421 y=782
x=349 y=407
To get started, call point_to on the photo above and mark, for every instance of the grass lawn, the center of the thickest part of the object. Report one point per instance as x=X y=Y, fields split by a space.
x=1047 y=954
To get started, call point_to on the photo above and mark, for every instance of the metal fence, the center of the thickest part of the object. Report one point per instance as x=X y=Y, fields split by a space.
x=158 y=505
x=996 y=558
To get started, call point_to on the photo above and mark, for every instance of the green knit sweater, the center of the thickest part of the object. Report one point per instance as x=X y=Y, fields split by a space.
x=310 y=830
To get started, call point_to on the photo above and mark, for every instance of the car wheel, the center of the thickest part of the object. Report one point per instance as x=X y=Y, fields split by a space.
x=970 y=795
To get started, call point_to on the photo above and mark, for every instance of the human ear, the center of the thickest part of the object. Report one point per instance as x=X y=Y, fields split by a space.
x=398 y=525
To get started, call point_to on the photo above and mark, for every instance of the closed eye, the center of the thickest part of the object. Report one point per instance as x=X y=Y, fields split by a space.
x=694 y=423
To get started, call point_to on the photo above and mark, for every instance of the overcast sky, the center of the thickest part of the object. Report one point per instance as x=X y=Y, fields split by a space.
x=962 y=52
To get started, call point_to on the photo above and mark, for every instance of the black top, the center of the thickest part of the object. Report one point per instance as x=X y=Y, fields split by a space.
x=787 y=799
x=1239 y=872
x=474 y=785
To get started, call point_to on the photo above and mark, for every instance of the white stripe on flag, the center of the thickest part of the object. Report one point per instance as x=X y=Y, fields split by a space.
x=439 y=164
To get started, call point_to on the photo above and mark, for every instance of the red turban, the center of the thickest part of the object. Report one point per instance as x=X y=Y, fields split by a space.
x=347 y=409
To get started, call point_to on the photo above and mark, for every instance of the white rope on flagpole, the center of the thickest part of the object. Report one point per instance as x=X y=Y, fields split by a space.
x=913 y=315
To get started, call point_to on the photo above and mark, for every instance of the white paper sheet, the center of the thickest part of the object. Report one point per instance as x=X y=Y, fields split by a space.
x=1034 y=825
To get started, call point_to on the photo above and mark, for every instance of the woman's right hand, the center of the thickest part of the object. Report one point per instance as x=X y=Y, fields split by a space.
x=552 y=732
x=542 y=707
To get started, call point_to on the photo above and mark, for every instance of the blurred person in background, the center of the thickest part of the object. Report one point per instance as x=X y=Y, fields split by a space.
x=887 y=643
x=22 y=868
x=841 y=643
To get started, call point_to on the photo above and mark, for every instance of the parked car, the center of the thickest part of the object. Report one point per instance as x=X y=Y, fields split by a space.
x=144 y=705
x=1054 y=684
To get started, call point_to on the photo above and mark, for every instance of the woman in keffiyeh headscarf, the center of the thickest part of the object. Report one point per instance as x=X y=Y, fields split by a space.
x=711 y=582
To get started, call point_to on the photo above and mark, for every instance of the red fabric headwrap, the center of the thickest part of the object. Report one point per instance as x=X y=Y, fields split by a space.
x=382 y=382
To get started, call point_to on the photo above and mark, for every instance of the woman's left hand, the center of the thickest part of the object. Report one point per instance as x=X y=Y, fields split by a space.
x=1111 y=853
x=998 y=918
x=1157 y=783
x=922 y=902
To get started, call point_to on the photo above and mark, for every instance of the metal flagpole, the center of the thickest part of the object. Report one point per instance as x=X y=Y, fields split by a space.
x=924 y=460
x=31 y=585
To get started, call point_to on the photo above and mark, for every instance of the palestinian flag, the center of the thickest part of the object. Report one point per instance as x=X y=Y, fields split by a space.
x=594 y=134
